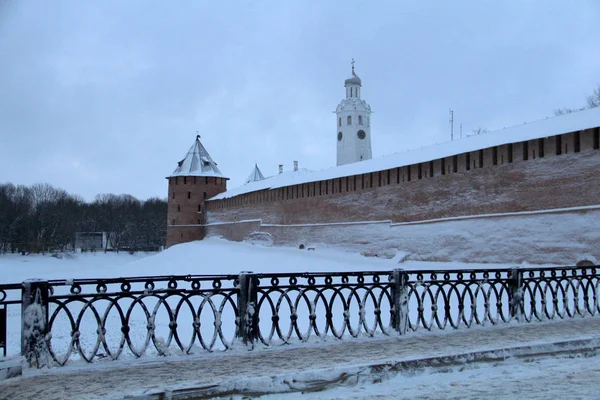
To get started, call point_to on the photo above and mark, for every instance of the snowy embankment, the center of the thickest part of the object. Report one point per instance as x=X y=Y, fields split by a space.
x=210 y=257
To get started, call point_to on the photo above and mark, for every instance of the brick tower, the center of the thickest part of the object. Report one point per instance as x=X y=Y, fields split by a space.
x=195 y=179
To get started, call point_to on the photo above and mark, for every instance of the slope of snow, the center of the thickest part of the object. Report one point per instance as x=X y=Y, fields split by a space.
x=576 y=121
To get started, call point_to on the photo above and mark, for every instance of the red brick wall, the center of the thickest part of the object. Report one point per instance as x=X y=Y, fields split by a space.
x=186 y=206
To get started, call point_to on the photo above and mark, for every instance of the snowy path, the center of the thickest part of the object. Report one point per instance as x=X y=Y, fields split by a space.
x=123 y=378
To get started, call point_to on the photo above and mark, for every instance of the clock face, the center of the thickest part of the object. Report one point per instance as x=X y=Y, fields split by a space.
x=340 y=136
x=361 y=134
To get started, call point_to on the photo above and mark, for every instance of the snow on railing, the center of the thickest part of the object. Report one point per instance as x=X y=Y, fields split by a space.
x=96 y=319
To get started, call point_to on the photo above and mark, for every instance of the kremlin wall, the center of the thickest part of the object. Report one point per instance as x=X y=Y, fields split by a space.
x=525 y=194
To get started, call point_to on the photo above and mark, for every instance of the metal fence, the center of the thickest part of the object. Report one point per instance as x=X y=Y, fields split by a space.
x=92 y=319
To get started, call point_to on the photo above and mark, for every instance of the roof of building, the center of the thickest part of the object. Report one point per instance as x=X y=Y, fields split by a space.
x=573 y=122
x=255 y=175
x=353 y=80
x=197 y=162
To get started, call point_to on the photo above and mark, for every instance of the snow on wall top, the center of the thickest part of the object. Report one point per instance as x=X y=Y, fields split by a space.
x=197 y=162
x=576 y=121
x=255 y=175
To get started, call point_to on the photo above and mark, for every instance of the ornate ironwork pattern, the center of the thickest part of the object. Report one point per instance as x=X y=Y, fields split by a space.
x=148 y=315
x=455 y=298
x=559 y=293
x=90 y=319
x=301 y=306
x=10 y=296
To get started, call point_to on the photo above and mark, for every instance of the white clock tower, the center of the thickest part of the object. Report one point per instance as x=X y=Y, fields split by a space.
x=353 y=124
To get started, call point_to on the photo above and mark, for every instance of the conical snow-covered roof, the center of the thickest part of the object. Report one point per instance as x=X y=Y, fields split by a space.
x=255 y=175
x=197 y=162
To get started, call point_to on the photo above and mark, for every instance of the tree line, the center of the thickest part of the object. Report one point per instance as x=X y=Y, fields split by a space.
x=42 y=218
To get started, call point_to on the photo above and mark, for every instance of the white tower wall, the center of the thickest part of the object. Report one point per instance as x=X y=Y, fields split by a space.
x=353 y=122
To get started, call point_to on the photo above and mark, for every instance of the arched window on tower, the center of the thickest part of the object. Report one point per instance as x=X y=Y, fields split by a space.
x=340 y=121
x=360 y=120
x=349 y=120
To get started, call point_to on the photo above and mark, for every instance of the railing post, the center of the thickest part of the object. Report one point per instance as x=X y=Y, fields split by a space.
x=246 y=303
x=515 y=286
x=34 y=322
x=400 y=299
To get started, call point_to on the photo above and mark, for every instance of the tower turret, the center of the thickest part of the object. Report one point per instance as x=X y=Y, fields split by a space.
x=195 y=179
x=353 y=124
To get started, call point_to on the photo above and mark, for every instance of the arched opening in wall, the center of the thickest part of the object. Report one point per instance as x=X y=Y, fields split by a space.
x=185 y=180
x=340 y=121
x=379 y=179
x=349 y=120
x=468 y=161
x=510 y=152
x=541 y=147
x=455 y=163
x=419 y=171
x=431 y=169
x=596 y=138
x=181 y=235
x=577 y=142
x=495 y=155
x=199 y=207
x=408 y=174
x=443 y=169
x=558 y=141
x=398 y=175
x=389 y=175
x=189 y=194
x=480 y=158
x=525 y=151
x=347 y=184
x=360 y=120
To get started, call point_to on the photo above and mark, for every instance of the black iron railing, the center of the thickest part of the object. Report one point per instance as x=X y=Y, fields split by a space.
x=93 y=319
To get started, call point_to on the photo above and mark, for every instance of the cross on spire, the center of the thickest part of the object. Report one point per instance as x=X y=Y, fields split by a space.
x=352 y=64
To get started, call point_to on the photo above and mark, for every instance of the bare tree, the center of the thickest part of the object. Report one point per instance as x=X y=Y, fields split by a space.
x=593 y=100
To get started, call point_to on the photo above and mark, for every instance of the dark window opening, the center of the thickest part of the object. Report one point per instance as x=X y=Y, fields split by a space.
x=379 y=179
x=468 y=161
x=195 y=180
x=362 y=181
x=181 y=235
x=420 y=171
x=480 y=158
x=347 y=178
x=455 y=163
x=185 y=180
x=597 y=139
x=320 y=189
x=510 y=153
x=204 y=195
x=577 y=144
x=389 y=174
x=354 y=187
x=178 y=208
x=199 y=207
x=558 y=145
x=541 y=148
x=525 y=151
x=495 y=156
x=371 y=180
x=430 y=169
x=326 y=187
x=397 y=175
x=408 y=173
x=340 y=185
x=566 y=148
x=443 y=169
x=189 y=194
x=206 y=180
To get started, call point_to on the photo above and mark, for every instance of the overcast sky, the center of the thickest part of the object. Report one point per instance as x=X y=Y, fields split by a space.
x=107 y=96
